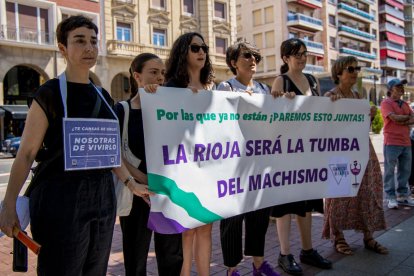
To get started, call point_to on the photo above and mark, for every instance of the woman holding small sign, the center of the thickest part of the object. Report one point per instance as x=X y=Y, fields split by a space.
x=363 y=213
x=72 y=201
x=292 y=79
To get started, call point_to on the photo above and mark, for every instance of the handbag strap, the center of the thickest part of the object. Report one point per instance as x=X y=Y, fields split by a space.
x=124 y=145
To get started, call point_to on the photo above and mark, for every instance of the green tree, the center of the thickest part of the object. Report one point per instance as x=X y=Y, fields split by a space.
x=378 y=122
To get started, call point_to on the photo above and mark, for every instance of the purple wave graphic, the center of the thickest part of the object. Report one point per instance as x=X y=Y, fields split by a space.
x=163 y=225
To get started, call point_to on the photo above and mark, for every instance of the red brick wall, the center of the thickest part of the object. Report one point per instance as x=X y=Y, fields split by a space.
x=84 y=5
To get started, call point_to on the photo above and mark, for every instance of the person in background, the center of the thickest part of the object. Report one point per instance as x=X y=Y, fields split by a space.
x=72 y=212
x=397 y=116
x=189 y=66
x=242 y=59
x=292 y=79
x=146 y=70
x=364 y=212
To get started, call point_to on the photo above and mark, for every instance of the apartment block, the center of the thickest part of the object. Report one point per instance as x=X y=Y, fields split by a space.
x=329 y=28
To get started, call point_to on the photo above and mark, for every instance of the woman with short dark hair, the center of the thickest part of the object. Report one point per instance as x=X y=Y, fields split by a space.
x=242 y=59
x=72 y=211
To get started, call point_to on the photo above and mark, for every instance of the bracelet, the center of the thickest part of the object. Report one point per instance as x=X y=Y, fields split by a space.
x=129 y=178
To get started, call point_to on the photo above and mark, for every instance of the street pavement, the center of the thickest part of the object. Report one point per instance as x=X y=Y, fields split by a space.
x=398 y=238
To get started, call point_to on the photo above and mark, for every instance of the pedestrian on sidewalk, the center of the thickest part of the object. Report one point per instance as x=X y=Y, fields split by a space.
x=364 y=212
x=398 y=116
x=293 y=80
x=189 y=66
x=146 y=70
x=72 y=211
x=242 y=59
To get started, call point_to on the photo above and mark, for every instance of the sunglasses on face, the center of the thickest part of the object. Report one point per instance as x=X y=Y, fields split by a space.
x=352 y=69
x=248 y=55
x=300 y=55
x=196 y=48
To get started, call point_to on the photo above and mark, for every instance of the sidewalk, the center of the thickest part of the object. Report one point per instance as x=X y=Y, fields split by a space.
x=399 y=238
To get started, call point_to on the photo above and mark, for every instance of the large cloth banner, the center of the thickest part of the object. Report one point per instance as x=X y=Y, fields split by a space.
x=213 y=155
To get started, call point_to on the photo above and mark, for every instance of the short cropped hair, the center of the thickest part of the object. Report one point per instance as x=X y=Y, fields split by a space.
x=233 y=53
x=71 y=23
x=339 y=66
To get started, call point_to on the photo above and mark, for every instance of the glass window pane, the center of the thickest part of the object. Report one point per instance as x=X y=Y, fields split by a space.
x=189 y=6
x=219 y=10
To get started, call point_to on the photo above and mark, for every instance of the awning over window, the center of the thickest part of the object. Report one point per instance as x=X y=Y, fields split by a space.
x=396 y=4
x=395 y=38
x=306 y=3
x=394 y=20
x=393 y=54
x=18 y=112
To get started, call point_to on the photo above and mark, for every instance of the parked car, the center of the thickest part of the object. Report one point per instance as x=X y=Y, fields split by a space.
x=11 y=145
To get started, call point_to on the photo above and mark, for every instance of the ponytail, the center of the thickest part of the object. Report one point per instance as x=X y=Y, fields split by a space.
x=284 y=68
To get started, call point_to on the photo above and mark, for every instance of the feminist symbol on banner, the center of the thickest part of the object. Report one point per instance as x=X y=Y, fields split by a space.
x=355 y=168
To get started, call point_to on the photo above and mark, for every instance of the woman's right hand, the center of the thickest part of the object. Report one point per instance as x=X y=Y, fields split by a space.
x=8 y=220
x=333 y=96
x=151 y=88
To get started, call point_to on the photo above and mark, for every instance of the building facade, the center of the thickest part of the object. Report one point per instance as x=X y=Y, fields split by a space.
x=30 y=56
x=133 y=27
x=329 y=28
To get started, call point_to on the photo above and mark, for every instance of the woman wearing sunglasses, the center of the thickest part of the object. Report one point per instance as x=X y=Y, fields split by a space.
x=189 y=66
x=293 y=53
x=363 y=213
x=242 y=59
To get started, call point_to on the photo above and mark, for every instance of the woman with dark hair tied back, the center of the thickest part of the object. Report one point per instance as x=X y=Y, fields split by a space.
x=294 y=54
x=364 y=212
x=147 y=70
x=189 y=66
x=72 y=210
x=242 y=59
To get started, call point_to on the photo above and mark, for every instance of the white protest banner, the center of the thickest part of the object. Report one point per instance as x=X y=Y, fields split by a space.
x=213 y=155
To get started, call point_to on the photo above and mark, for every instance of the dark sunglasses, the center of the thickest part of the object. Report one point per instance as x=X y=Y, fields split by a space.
x=299 y=55
x=196 y=48
x=248 y=55
x=352 y=69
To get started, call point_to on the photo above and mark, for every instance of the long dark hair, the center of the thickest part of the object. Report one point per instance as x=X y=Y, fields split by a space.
x=176 y=64
x=290 y=47
x=136 y=66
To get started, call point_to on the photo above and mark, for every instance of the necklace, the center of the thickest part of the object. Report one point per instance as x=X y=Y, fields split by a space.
x=349 y=95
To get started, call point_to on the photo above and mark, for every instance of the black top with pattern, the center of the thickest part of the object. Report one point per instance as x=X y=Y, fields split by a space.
x=81 y=99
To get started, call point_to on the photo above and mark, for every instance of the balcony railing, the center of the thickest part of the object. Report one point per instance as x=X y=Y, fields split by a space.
x=391 y=28
x=357 y=53
x=390 y=10
x=313 y=46
x=305 y=21
x=26 y=35
x=353 y=10
x=393 y=46
x=118 y=47
x=310 y=68
x=392 y=63
x=356 y=32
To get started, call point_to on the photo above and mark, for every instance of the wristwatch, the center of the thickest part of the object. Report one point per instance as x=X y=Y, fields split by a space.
x=129 y=178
